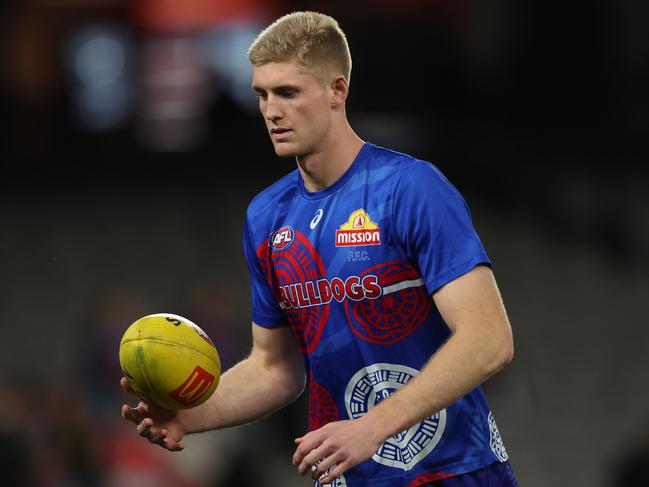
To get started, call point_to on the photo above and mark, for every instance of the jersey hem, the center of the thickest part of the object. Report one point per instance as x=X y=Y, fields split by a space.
x=454 y=469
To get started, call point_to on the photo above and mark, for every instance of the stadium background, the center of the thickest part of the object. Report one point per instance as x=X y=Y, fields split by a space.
x=131 y=147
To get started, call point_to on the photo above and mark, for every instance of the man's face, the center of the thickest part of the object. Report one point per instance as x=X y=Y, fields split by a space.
x=295 y=107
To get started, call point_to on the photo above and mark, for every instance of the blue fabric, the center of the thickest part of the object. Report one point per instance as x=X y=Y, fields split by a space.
x=351 y=269
x=495 y=475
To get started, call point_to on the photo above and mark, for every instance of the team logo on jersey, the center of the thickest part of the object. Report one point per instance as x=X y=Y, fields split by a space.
x=359 y=229
x=369 y=386
x=282 y=238
x=323 y=291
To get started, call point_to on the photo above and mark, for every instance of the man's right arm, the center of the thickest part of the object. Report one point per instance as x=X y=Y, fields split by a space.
x=271 y=377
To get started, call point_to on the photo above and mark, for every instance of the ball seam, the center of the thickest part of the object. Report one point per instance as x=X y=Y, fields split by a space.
x=172 y=342
x=143 y=368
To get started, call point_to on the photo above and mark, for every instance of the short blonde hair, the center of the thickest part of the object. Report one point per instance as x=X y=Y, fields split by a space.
x=314 y=40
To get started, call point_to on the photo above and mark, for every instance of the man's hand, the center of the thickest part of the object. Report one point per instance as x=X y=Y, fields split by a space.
x=341 y=444
x=160 y=426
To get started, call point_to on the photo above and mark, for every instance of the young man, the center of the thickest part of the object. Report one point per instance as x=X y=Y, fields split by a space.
x=368 y=275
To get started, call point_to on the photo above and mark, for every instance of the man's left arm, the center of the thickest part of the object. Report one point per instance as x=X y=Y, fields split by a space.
x=481 y=343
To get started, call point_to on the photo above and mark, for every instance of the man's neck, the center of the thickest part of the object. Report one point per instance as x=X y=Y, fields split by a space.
x=323 y=168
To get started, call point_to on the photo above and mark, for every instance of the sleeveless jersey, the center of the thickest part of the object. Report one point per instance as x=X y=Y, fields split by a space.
x=351 y=270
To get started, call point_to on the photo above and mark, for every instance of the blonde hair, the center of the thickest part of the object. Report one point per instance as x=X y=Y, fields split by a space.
x=314 y=40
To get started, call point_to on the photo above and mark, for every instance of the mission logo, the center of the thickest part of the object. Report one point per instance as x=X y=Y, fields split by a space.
x=358 y=230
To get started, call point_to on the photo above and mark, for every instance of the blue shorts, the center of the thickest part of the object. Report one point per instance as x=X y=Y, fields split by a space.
x=495 y=475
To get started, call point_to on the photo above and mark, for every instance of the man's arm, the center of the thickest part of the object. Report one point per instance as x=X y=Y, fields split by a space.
x=271 y=377
x=481 y=344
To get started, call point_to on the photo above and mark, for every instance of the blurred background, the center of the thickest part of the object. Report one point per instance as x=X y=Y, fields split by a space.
x=131 y=146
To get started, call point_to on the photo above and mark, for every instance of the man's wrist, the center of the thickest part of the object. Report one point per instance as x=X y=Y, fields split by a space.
x=377 y=424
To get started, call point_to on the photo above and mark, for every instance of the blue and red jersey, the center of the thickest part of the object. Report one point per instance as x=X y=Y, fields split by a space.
x=351 y=269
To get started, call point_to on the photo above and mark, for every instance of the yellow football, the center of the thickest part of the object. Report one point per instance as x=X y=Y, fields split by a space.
x=170 y=360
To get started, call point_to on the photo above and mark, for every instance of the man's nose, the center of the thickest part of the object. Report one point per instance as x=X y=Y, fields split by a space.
x=272 y=109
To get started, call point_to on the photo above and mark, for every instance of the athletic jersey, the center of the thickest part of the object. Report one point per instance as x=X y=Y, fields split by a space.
x=351 y=270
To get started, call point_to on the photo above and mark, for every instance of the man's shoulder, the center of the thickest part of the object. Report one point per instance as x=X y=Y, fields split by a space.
x=409 y=170
x=280 y=191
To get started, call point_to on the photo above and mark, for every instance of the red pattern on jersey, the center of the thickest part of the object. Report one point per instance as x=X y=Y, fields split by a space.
x=430 y=477
x=393 y=316
x=322 y=407
x=297 y=263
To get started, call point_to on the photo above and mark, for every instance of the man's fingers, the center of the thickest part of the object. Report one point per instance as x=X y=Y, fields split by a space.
x=144 y=427
x=333 y=475
x=309 y=462
x=173 y=446
x=132 y=414
x=315 y=462
x=129 y=413
x=306 y=444
x=157 y=438
x=161 y=438
x=319 y=469
x=142 y=416
x=136 y=414
x=305 y=467
x=123 y=382
x=154 y=434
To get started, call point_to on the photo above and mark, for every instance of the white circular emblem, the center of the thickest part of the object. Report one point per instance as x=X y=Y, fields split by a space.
x=495 y=441
x=316 y=218
x=371 y=385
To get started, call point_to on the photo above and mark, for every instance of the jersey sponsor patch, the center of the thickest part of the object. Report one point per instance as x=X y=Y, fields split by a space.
x=369 y=386
x=359 y=229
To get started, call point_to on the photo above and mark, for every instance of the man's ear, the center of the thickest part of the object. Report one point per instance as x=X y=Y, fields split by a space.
x=339 y=90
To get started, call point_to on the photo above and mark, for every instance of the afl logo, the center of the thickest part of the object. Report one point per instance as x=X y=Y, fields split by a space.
x=371 y=385
x=282 y=238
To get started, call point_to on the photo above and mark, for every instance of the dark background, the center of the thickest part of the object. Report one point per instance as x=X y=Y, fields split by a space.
x=131 y=146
